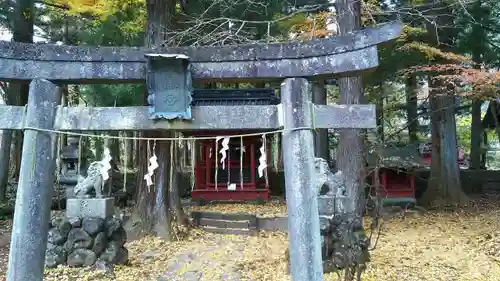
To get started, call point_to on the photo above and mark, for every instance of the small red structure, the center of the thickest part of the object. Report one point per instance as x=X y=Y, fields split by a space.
x=396 y=186
x=237 y=179
x=396 y=174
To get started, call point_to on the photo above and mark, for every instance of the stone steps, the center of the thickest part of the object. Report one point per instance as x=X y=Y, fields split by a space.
x=236 y=224
x=229 y=231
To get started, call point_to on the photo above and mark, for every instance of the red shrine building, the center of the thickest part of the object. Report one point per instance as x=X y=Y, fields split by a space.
x=237 y=176
x=397 y=167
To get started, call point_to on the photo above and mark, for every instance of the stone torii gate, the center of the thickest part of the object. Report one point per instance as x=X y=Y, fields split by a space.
x=169 y=78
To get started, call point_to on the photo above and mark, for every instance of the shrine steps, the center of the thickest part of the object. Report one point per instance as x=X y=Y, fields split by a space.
x=235 y=224
x=229 y=231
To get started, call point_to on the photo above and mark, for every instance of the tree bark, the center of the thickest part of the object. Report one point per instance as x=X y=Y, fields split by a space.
x=153 y=208
x=321 y=135
x=99 y=147
x=129 y=151
x=136 y=143
x=411 y=108
x=379 y=112
x=64 y=102
x=444 y=185
x=350 y=157
x=175 y=180
x=23 y=32
x=114 y=148
x=379 y=108
x=476 y=136
x=479 y=35
x=494 y=112
x=6 y=144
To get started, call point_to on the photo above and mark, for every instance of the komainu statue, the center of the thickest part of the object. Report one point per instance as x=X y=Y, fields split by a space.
x=344 y=243
x=92 y=185
x=329 y=180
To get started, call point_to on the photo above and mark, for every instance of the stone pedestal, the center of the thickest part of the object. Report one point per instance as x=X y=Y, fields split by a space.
x=90 y=207
x=86 y=242
x=70 y=191
x=329 y=206
x=88 y=235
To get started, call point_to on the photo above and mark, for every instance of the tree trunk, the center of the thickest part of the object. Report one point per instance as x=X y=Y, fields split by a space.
x=114 y=148
x=6 y=144
x=479 y=37
x=494 y=112
x=444 y=184
x=153 y=210
x=23 y=32
x=350 y=157
x=321 y=135
x=99 y=147
x=476 y=136
x=129 y=151
x=135 y=155
x=64 y=102
x=379 y=108
x=411 y=108
x=175 y=174
x=484 y=149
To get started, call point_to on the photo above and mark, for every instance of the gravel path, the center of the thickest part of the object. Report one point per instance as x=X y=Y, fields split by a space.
x=212 y=260
x=5 y=227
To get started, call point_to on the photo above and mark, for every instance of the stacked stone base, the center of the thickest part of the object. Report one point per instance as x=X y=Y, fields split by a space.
x=85 y=242
x=344 y=242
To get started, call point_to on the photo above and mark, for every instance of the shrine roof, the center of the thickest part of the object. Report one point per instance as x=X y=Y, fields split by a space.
x=264 y=96
x=392 y=156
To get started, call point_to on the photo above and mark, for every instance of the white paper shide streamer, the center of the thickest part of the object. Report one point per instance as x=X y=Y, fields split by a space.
x=263 y=158
x=153 y=164
x=223 y=150
x=106 y=166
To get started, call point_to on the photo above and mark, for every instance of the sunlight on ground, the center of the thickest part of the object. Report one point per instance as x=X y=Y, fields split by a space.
x=437 y=246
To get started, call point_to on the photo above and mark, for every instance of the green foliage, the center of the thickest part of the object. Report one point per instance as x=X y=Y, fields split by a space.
x=479 y=25
x=112 y=95
x=121 y=25
x=409 y=50
x=6 y=15
x=464 y=131
x=125 y=27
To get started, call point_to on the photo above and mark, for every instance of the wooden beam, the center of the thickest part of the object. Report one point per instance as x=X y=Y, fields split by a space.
x=242 y=117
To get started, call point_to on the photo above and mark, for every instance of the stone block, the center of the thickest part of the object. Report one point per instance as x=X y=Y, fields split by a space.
x=70 y=192
x=328 y=206
x=86 y=242
x=90 y=207
x=273 y=224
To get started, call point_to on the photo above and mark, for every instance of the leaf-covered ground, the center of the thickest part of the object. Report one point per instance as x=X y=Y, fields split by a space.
x=437 y=246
